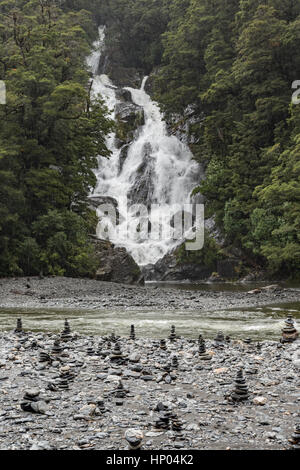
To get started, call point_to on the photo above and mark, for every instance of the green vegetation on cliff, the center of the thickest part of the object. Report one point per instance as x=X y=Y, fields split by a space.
x=235 y=62
x=50 y=136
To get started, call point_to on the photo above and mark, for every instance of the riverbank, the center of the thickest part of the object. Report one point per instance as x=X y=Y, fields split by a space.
x=83 y=294
x=90 y=415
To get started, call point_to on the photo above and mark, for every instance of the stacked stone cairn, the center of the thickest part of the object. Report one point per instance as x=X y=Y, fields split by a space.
x=247 y=340
x=66 y=375
x=163 y=344
x=132 y=333
x=32 y=402
x=19 y=327
x=240 y=391
x=90 y=350
x=45 y=357
x=117 y=356
x=163 y=420
x=99 y=349
x=119 y=392
x=176 y=423
x=101 y=405
x=112 y=338
x=172 y=336
x=219 y=340
x=295 y=440
x=63 y=383
x=174 y=362
x=66 y=332
x=202 y=354
x=289 y=332
x=56 y=349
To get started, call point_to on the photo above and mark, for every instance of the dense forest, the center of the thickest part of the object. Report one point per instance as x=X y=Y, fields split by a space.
x=232 y=62
x=50 y=136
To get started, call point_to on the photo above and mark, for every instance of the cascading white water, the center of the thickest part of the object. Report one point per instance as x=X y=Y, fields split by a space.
x=171 y=173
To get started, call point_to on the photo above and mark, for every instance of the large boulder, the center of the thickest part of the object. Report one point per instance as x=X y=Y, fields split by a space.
x=129 y=117
x=116 y=264
x=172 y=267
x=142 y=190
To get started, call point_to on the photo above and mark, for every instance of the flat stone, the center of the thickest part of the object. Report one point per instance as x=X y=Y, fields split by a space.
x=260 y=401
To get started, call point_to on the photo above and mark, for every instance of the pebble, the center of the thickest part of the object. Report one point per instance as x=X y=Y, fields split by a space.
x=71 y=418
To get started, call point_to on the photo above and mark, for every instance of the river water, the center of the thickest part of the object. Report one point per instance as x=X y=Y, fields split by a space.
x=259 y=323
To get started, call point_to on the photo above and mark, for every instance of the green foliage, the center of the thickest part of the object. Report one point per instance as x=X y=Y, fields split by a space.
x=208 y=256
x=63 y=241
x=51 y=133
x=235 y=62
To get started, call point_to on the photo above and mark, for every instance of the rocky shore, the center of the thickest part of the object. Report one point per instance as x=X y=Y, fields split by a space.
x=60 y=292
x=78 y=392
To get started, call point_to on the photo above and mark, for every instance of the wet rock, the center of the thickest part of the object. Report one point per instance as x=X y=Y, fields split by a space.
x=289 y=332
x=295 y=439
x=202 y=354
x=129 y=117
x=41 y=445
x=134 y=357
x=115 y=264
x=260 y=401
x=132 y=333
x=240 y=392
x=19 y=327
x=134 y=437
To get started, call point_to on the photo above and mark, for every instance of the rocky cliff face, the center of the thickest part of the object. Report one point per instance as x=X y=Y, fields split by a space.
x=116 y=265
x=172 y=268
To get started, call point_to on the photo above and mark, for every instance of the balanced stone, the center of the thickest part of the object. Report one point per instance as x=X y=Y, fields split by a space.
x=167 y=367
x=176 y=423
x=45 y=357
x=289 y=332
x=163 y=345
x=172 y=336
x=132 y=333
x=163 y=421
x=52 y=387
x=240 y=392
x=134 y=437
x=247 y=340
x=90 y=350
x=63 y=384
x=66 y=333
x=57 y=349
x=32 y=394
x=120 y=391
x=174 y=362
x=117 y=356
x=32 y=403
x=101 y=405
x=295 y=440
x=99 y=350
x=112 y=337
x=66 y=375
x=19 y=327
x=202 y=354
x=219 y=340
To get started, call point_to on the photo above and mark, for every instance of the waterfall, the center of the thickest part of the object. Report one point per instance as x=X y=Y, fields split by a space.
x=158 y=170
